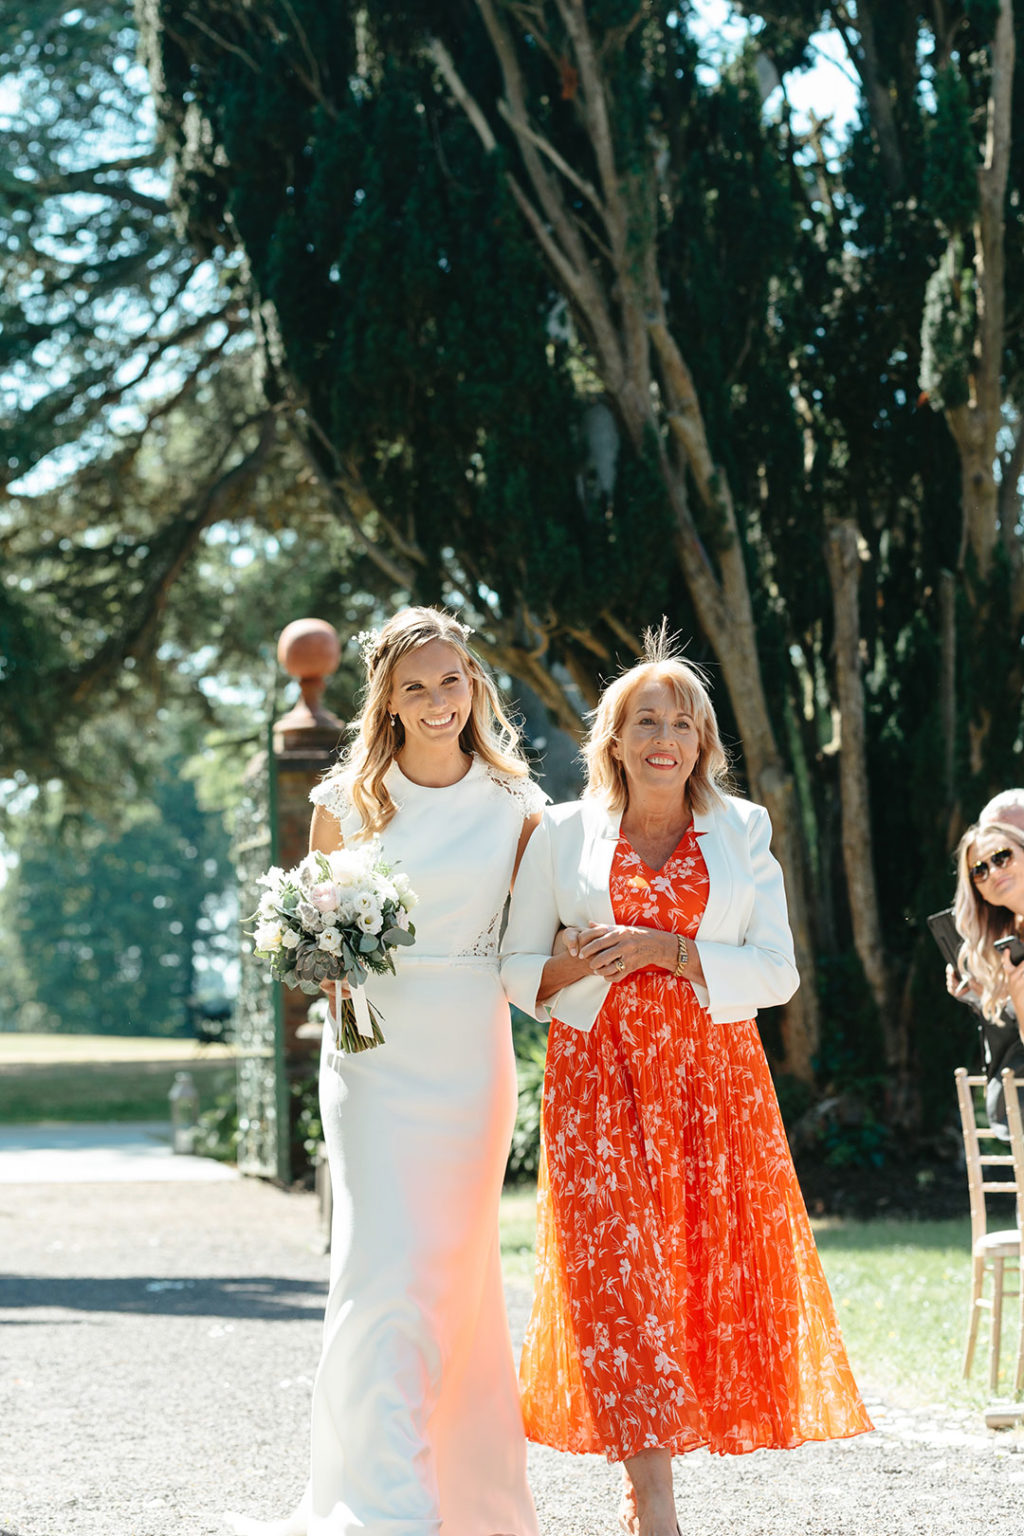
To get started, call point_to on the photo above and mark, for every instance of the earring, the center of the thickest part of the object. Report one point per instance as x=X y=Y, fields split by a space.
x=393 y=719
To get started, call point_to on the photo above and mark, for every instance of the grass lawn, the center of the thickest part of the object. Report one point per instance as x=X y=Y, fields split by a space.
x=518 y=1232
x=900 y=1290
x=40 y=1050
x=103 y=1077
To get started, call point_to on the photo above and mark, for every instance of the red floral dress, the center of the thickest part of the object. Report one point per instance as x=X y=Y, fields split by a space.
x=679 y=1298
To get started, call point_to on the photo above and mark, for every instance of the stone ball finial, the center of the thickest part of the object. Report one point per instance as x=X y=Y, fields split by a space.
x=310 y=650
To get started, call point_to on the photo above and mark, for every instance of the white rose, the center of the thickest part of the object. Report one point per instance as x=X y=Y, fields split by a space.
x=268 y=936
x=330 y=940
x=345 y=871
x=290 y=938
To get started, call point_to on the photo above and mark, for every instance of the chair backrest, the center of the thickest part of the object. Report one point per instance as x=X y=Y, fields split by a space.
x=978 y=1138
x=1012 y=1088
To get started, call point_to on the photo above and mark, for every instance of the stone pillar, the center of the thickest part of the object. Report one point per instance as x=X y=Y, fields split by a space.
x=306 y=741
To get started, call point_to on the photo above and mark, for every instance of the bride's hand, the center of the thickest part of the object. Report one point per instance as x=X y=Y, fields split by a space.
x=572 y=940
x=328 y=988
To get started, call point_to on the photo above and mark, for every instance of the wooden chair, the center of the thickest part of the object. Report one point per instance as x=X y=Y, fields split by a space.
x=993 y=1250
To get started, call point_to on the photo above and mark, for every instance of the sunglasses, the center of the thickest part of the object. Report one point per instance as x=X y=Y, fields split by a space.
x=979 y=872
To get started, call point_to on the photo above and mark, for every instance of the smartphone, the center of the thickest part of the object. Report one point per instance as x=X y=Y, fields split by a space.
x=1013 y=947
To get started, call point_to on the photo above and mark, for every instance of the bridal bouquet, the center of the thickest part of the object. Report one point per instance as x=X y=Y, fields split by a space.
x=336 y=917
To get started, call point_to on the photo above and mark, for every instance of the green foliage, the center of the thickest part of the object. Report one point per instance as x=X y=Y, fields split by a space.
x=951 y=166
x=389 y=392
x=149 y=504
x=983 y=15
x=112 y=930
x=87 y=231
x=531 y=1043
x=307 y=1132
x=217 y=1134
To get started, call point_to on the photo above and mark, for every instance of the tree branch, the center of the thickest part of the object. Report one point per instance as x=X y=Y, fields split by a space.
x=180 y=536
x=990 y=253
x=560 y=236
x=446 y=64
x=349 y=499
x=523 y=129
x=222 y=42
x=595 y=108
x=865 y=61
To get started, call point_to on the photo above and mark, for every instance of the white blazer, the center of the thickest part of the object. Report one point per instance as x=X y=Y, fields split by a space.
x=746 y=948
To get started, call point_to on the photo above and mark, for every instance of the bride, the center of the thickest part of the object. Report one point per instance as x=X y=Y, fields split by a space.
x=415 y=1412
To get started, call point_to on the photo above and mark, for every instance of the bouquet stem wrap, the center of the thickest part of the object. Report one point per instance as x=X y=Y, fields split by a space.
x=355 y=1021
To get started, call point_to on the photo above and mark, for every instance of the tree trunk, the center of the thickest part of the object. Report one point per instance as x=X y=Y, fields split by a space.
x=619 y=306
x=975 y=425
x=842 y=556
x=947 y=685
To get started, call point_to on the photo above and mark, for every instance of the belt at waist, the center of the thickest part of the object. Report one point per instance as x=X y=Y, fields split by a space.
x=463 y=962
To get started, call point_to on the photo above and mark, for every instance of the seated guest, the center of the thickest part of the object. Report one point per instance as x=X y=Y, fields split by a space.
x=989 y=908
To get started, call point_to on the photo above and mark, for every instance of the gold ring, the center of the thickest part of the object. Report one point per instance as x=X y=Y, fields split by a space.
x=620 y=964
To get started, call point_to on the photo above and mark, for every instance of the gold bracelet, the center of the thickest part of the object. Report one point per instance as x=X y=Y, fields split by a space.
x=682 y=955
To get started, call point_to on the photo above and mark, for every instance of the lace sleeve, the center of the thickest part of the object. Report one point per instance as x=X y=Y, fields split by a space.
x=526 y=792
x=333 y=795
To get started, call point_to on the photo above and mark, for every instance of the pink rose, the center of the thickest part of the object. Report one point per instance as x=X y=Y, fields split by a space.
x=324 y=897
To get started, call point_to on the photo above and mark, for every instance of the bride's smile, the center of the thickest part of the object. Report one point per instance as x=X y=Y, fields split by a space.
x=432 y=697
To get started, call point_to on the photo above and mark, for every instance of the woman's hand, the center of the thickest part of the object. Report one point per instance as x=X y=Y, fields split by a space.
x=618 y=951
x=567 y=940
x=329 y=988
x=957 y=985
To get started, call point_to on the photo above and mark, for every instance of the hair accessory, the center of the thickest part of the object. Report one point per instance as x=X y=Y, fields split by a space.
x=367 y=642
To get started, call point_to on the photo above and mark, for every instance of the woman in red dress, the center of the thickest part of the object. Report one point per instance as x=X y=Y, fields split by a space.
x=679 y=1298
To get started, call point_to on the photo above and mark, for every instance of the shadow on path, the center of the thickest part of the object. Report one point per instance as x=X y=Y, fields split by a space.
x=266 y=1297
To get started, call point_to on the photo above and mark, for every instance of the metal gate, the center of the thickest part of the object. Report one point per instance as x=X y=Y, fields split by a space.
x=263 y=1110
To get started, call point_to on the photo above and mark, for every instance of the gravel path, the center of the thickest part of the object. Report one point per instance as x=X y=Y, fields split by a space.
x=157 y=1345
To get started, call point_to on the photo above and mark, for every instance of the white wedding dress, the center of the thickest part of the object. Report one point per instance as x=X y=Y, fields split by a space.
x=416 y=1425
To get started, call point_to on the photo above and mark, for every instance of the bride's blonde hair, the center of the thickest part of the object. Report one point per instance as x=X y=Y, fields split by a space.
x=661 y=663
x=488 y=733
x=979 y=922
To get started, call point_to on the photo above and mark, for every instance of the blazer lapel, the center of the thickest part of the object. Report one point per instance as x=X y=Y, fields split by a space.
x=716 y=858
x=601 y=834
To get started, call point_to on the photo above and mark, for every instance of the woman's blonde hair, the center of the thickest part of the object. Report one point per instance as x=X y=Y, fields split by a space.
x=488 y=733
x=660 y=663
x=980 y=922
